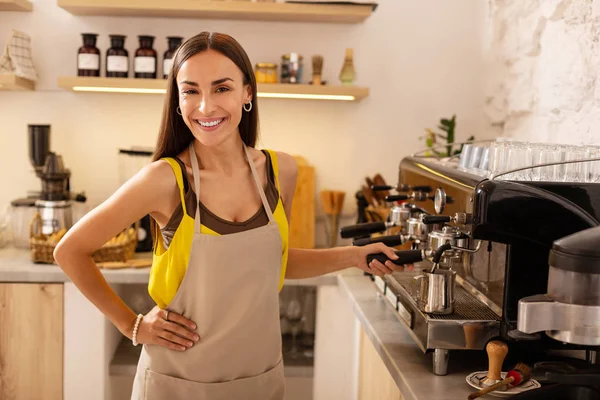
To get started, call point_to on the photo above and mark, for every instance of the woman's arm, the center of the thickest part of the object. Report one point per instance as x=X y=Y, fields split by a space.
x=145 y=193
x=306 y=263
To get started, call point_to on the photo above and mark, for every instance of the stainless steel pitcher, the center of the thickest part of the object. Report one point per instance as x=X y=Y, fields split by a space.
x=435 y=291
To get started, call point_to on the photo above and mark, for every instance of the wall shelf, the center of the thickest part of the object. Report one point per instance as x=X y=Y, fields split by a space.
x=235 y=10
x=15 y=5
x=15 y=83
x=158 y=86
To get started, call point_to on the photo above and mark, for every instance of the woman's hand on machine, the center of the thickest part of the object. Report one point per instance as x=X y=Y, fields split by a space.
x=168 y=329
x=376 y=267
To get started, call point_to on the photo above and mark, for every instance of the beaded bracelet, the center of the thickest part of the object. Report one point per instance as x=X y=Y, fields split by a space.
x=135 y=328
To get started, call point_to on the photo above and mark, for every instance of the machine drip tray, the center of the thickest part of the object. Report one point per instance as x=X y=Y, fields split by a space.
x=466 y=306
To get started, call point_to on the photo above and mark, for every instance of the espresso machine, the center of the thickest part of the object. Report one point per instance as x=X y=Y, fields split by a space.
x=496 y=236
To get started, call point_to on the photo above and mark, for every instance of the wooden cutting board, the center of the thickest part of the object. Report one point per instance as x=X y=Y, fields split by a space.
x=302 y=220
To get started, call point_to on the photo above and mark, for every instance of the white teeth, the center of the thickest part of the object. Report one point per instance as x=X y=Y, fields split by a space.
x=210 y=124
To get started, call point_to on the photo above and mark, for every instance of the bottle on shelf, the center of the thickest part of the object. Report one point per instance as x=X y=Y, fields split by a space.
x=347 y=74
x=145 y=58
x=88 y=56
x=117 y=58
x=174 y=43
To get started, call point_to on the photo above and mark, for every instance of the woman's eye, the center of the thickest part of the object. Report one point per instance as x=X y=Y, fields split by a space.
x=222 y=89
x=189 y=91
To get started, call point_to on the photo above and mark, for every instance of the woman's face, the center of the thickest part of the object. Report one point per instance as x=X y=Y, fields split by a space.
x=211 y=95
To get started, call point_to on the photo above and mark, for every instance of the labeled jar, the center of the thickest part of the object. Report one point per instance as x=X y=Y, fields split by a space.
x=117 y=58
x=291 y=68
x=88 y=56
x=266 y=73
x=145 y=58
x=174 y=43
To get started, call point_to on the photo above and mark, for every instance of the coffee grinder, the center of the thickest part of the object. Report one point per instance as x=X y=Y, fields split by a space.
x=54 y=202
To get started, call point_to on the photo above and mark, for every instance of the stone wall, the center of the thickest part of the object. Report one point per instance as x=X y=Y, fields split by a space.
x=543 y=64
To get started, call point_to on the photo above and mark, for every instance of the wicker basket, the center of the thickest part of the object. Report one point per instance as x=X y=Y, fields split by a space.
x=120 y=248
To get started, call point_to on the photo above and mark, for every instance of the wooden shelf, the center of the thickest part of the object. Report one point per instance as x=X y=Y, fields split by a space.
x=13 y=82
x=158 y=86
x=220 y=9
x=15 y=5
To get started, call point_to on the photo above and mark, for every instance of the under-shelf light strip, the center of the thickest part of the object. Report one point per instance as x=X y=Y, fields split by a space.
x=260 y=94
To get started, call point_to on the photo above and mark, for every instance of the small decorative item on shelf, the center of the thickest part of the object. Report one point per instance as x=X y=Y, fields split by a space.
x=174 y=43
x=317 y=65
x=17 y=58
x=145 y=58
x=291 y=68
x=117 y=58
x=266 y=73
x=88 y=56
x=347 y=74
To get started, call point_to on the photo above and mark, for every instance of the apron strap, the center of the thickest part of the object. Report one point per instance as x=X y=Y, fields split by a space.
x=196 y=173
x=263 y=197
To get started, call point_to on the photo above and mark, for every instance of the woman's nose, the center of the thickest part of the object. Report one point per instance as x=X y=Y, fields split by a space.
x=206 y=105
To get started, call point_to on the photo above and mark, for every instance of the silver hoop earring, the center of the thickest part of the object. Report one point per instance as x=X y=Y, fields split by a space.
x=249 y=104
x=178 y=110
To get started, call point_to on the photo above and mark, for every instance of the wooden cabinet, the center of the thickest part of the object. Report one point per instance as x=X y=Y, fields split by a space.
x=31 y=341
x=374 y=380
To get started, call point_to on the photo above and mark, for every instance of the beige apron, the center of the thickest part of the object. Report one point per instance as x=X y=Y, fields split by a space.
x=230 y=290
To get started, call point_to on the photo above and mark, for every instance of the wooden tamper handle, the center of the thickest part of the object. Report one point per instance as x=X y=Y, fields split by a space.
x=497 y=352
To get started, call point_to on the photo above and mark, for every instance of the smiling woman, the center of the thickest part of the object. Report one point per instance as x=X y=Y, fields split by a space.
x=220 y=210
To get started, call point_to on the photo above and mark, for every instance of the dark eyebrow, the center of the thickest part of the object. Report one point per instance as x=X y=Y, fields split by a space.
x=213 y=83
x=188 y=83
x=219 y=81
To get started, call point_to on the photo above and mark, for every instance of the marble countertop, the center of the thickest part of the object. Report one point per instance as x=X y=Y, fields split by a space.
x=16 y=266
x=410 y=368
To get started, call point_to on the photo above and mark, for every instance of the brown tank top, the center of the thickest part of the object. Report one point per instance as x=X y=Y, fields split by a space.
x=211 y=220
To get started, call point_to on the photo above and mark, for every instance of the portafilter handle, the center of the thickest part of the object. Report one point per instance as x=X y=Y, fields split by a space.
x=365 y=229
x=404 y=257
x=391 y=241
x=435 y=219
x=458 y=218
x=402 y=188
x=396 y=197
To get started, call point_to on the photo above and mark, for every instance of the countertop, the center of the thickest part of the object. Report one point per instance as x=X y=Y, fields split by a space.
x=408 y=365
x=16 y=266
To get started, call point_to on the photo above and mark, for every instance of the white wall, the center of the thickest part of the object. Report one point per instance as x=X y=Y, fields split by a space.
x=543 y=63
x=421 y=59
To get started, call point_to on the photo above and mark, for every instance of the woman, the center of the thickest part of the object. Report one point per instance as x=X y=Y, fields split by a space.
x=218 y=264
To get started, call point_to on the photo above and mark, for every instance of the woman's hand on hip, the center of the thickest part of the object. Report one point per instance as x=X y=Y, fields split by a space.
x=167 y=329
x=376 y=267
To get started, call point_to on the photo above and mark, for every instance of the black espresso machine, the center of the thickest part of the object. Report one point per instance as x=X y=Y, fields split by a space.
x=500 y=234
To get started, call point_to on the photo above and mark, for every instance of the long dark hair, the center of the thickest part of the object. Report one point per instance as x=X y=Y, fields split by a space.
x=174 y=136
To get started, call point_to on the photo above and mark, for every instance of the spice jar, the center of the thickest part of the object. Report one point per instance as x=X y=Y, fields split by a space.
x=174 y=43
x=291 y=68
x=117 y=58
x=144 y=65
x=88 y=56
x=266 y=73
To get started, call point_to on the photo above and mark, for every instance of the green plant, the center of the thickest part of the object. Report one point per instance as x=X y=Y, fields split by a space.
x=431 y=138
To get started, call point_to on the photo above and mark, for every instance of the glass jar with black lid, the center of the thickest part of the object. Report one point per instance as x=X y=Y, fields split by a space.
x=174 y=43
x=117 y=58
x=145 y=58
x=88 y=56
